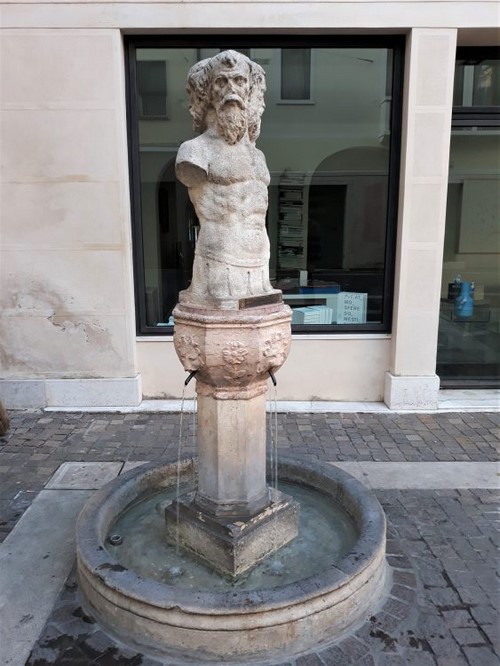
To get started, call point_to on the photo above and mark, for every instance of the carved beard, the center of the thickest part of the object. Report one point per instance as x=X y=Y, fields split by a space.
x=232 y=122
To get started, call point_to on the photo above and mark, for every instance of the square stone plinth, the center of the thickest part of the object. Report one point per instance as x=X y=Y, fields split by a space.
x=231 y=548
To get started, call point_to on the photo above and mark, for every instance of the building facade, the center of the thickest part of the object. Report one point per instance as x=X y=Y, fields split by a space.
x=382 y=137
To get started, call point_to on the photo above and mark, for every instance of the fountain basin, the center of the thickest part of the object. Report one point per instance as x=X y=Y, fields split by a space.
x=236 y=625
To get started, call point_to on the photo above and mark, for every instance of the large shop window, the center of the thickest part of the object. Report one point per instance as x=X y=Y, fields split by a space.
x=332 y=150
x=469 y=326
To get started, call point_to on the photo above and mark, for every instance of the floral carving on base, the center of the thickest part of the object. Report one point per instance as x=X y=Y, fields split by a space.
x=235 y=354
x=188 y=348
x=274 y=351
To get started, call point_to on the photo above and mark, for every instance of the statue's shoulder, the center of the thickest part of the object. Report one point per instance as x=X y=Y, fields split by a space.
x=259 y=152
x=194 y=150
x=261 y=166
x=191 y=164
x=260 y=155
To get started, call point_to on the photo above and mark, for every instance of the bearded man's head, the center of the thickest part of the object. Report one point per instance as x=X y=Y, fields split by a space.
x=233 y=86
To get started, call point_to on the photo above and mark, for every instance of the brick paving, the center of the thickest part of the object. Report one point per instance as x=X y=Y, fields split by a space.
x=443 y=607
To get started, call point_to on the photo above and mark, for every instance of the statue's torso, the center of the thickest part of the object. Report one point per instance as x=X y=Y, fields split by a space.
x=231 y=202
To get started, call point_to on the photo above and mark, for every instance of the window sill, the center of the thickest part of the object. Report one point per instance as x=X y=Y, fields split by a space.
x=295 y=336
x=309 y=102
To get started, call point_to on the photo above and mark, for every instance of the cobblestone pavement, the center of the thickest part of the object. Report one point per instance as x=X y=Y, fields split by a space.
x=443 y=607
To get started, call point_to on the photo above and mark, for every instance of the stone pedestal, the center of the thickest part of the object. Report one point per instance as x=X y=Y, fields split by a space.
x=232 y=546
x=234 y=520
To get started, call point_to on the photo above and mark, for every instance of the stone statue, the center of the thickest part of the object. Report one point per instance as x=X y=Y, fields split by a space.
x=227 y=179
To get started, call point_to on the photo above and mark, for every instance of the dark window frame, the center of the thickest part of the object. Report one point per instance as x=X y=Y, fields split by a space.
x=476 y=116
x=394 y=42
x=464 y=117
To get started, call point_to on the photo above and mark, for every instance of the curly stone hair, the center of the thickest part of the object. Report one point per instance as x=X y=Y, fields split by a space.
x=199 y=88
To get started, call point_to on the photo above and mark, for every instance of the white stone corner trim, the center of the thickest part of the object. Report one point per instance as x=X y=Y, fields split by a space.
x=111 y=392
x=23 y=393
x=411 y=392
x=71 y=393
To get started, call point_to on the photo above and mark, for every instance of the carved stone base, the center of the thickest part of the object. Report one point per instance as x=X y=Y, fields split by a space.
x=232 y=351
x=231 y=548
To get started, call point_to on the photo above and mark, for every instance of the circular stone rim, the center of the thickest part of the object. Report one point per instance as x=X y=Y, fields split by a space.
x=157 y=603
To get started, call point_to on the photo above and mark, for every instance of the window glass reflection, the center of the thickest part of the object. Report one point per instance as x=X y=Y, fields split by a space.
x=469 y=326
x=477 y=83
x=329 y=165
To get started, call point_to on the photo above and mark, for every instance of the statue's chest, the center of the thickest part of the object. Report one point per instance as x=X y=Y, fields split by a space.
x=233 y=164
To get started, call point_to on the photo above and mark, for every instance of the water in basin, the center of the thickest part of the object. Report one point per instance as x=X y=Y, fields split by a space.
x=326 y=534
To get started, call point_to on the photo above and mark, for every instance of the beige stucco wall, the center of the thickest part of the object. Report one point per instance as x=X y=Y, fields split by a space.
x=66 y=275
x=175 y=15
x=66 y=267
x=318 y=368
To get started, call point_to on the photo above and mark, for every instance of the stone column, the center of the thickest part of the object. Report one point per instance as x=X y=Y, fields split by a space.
x=430 y=61
x=232 y=456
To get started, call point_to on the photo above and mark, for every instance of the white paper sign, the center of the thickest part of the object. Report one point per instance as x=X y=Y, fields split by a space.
x=351 y=308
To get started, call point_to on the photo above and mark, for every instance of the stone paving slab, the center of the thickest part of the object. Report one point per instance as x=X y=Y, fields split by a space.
x=83 y=476
x=375 y=475
x=133 y=464
x=35 y=560
x=424 y=475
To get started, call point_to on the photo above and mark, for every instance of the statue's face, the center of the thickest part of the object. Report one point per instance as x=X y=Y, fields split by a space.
x=231 y=86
